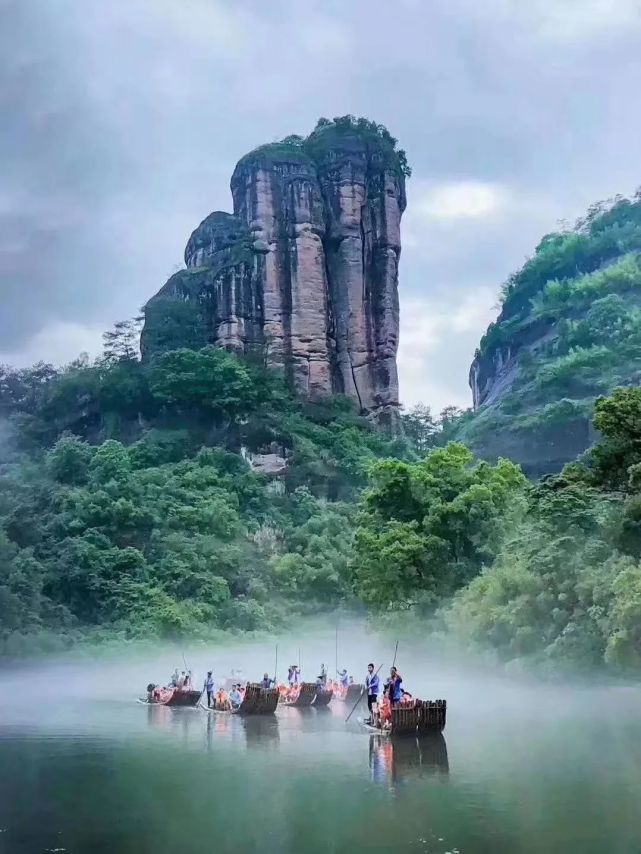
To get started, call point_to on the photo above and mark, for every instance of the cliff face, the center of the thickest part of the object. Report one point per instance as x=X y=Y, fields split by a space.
x=569 y=331
x=306 y=267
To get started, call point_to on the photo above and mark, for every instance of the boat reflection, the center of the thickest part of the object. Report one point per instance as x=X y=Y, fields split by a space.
x=397 y=760
x=261 y=731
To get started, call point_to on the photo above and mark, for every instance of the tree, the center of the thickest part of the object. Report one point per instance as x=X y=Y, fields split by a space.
x=69 y=460
x=618 y=417
x=122 y=343
x=420 y=427
x=210 y=380
x=426 y=528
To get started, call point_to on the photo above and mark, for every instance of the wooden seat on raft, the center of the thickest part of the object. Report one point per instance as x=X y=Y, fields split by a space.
x=258 y=700
x=323 y=697
x=421 y=717
x=306 y=695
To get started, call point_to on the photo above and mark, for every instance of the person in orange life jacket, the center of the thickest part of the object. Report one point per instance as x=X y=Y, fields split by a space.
x=222 y=700
x=372 y=688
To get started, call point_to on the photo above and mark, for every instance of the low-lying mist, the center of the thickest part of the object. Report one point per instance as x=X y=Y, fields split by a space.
x=475 y=690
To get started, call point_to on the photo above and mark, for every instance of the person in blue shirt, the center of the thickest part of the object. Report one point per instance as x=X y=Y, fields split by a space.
x=344 y=679
x=393 y=686
x=372 y=688
x=209 y=688
x=234 y=697
x=266 y=681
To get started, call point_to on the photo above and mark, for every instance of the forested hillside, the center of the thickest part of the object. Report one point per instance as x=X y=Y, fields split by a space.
x=132 y=502
x=569 y=331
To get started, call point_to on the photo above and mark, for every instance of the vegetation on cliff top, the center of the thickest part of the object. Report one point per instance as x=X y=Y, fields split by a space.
x=328 y=133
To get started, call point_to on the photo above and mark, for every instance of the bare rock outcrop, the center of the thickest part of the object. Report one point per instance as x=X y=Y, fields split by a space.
x=305 y=268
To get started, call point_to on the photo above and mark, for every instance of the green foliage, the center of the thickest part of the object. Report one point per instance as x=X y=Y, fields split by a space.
x=376 y=134
x=610 y=230
x=565 y=586
x=570 y=328
x=612 y=462
x=427 y=527
x=69 y=460
x=209 y=380
x=558 y=297
x=128 y=508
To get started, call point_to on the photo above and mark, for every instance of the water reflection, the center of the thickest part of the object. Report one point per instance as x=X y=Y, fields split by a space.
x=395 y=761
x=261 y=732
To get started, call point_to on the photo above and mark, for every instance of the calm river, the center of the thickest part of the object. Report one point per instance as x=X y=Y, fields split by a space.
x=523 y=767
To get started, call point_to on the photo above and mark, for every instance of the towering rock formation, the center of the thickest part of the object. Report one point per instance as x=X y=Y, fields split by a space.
x=306 y=267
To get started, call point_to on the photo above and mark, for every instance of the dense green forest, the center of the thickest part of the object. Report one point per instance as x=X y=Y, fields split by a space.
x=135 y=503
x=127 y=510
x=129 y=505
x=569 y=331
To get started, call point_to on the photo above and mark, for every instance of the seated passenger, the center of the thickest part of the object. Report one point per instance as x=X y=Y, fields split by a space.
x=234 y=697
x=222 y=701
x=385 y=715
x=293 y=694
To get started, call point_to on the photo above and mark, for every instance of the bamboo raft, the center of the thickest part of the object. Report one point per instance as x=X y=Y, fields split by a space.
x=423 y=716
x=177 y=698
x=257 y=701
x=306 y=696
x=353 y=693
x=323 y=697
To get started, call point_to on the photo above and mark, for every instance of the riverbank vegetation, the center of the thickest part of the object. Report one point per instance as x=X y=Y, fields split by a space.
x=135 y=502
x=133 y=498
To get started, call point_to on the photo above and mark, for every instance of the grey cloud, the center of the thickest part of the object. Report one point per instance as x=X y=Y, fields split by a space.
x=122 y=122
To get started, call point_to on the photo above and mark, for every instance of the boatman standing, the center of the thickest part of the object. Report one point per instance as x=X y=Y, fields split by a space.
x=371 y=686
x=393 y=686
x=209 y=688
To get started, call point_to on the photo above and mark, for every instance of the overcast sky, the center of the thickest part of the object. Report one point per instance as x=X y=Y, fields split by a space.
x=122 y=121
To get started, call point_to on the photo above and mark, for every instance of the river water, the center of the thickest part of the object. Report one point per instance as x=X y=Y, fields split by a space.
x=522 y=767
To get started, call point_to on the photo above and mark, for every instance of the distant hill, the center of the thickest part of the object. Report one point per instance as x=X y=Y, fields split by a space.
x=568 y=332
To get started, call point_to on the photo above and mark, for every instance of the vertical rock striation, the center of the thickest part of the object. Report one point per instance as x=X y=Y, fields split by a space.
x=306 y=267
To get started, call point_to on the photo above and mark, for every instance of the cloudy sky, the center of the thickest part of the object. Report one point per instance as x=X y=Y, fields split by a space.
x=122 y=121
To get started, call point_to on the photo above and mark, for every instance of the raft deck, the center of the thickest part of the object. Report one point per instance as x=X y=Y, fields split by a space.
x=423 y=716
x=306 y=696
x=323 y=697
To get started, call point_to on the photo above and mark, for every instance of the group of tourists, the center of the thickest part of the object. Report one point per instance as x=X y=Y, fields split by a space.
x=225 y=699
x=181 y=681
x=178 y=682
x=380 y=703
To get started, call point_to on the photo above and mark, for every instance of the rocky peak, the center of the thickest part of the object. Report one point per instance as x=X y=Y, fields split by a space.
x=307 y=265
